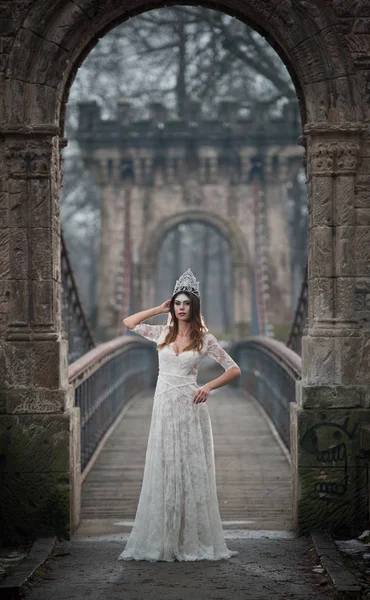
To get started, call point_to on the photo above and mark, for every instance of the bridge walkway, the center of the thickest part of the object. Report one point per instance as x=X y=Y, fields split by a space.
x=252 y=470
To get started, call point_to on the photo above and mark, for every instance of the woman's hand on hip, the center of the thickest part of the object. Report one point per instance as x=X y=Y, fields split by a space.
x=202 y=394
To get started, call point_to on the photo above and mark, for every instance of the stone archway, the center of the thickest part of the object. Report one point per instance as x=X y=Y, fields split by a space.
x=241 y=261
x=328 y=58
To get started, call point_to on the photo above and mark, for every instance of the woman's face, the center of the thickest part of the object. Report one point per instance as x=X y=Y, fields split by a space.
x=182 y=307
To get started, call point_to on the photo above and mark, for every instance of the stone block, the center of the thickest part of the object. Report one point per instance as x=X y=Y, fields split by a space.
x=362 y=251
x=57 y=308
x=362 y=285
x=33 y=400
x=52 y=64
x=45 y=105
x=19 y=364
x=4 y=218
x=362 y=192
x=4 y=199
x=43 y=302
x=362 y=216
x=42 y=364
x=75 y=437
x=92 y=10
x=42 y=253
x=4 y=254
x=321 y=263
x=322 y=201
x=344 y=201
x=353 y=359
x=39 y=193
x=25 y=48
x=318 y=360
x=362 y=373
x=2 y=401
x=365 y=437
x=35 y=443
x=321 y=294
x=75 y=498
x=362 y=26
x=50 y=365
x=330 y=488
x=332 y=396
x=56 y=252
x=345 y=25
x=344 y=294
x=18 y=253
x=365 y=145
x=331 y=499
x=344 y=110
x=18 y=203
x=363 y=167
x=314 y=66
x=336 y=360
x=6 y=20
x=72 y=25
x=328 y=437
x=34 y=505
x=344 y=255
x=19 y=301
x=317 y=101
x=350 y=8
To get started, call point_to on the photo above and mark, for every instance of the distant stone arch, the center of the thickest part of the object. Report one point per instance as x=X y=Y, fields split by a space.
x=240 y=258
x=151 y=244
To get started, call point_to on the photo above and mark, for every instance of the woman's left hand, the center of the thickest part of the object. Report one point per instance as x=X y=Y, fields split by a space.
x=202 y=394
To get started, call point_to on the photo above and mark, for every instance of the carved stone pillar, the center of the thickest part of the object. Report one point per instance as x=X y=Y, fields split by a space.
x=333 y=400
x=39 y=424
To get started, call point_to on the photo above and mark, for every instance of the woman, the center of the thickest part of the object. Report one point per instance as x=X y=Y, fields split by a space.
x=178 y=516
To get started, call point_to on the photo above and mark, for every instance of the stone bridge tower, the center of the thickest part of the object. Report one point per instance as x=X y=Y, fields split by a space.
x=198 y=169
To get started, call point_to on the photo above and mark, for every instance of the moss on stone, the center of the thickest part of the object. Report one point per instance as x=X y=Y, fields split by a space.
x=34 y=504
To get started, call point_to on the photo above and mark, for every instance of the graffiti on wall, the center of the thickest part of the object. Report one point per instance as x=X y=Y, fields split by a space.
x=329 y=446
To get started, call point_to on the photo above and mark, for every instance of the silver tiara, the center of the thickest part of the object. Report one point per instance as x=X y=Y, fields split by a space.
x=187 y=283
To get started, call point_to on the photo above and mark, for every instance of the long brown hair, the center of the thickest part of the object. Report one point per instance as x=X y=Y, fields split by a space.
x=197 y=327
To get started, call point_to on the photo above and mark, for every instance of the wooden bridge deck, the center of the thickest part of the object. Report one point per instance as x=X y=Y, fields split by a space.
x=252 y=471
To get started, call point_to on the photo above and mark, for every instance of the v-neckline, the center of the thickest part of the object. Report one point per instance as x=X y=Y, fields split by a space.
x=174 y=351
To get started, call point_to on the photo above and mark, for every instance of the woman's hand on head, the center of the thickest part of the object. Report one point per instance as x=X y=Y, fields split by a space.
x=165 y=306
x=202 y=394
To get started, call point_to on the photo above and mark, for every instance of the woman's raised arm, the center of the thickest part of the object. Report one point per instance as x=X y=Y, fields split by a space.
x=133 y=320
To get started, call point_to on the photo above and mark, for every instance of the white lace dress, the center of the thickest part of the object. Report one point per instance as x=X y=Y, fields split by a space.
x=178 y=517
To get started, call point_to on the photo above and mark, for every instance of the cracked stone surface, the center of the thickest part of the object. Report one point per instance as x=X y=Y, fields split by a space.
x=269 y=565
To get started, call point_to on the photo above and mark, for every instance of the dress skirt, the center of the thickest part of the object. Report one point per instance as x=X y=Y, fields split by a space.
x=177 y=516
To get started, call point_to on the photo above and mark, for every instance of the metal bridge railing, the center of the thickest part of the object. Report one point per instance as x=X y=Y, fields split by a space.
x=104 y=380
x=75 y=323
x=269 y=373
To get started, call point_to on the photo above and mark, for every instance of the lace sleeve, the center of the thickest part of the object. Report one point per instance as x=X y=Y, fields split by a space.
x=216 y=351
x=151 y=332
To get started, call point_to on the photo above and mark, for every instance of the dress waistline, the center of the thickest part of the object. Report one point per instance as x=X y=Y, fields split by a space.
x=172 y=386
x=193 y=377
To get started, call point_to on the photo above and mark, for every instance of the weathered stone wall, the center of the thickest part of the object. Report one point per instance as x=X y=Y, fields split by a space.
x=326 y=46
